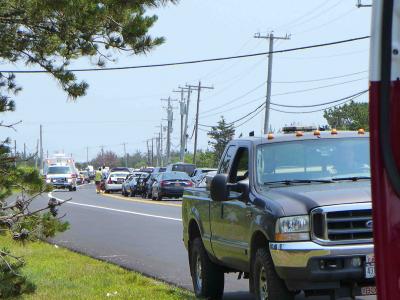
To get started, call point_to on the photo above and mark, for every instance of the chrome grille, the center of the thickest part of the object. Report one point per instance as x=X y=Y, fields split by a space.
x=342 y=224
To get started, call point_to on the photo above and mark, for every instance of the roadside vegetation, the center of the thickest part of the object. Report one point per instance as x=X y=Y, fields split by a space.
x=59 y=273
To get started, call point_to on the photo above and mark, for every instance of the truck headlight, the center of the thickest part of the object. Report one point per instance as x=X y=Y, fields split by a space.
x=296 y=228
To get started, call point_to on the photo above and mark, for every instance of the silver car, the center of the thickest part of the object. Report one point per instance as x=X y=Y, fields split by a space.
x=114 y=181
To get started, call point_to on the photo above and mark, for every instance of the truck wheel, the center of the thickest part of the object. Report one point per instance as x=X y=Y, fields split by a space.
x=208 y=278
x=267 y=284
x=74 y=188
x=159 y=197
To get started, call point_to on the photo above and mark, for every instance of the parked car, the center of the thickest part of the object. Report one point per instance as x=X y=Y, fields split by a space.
x=61 y=177
x=141 y=186
x=125 y=186
x=114 y=181
x=133 y=184
x=199 y=174
x=205 y=180
x=120 y=169
x=170 y=185
x=181 y=167
x=292 y=213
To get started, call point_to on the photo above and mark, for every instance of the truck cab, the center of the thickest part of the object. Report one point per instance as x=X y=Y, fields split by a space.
x=291 y=213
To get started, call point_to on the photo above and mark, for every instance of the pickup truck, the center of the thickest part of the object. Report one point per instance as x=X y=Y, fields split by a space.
x=292 y=213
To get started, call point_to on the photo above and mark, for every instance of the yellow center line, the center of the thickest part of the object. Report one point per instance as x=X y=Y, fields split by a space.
x=142 y=201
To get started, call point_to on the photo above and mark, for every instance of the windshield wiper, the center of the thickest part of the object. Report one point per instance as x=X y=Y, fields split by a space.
x=352 y=178
x=294 y=181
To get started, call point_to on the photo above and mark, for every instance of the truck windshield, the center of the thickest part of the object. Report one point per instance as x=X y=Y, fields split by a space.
x=322 y=159
x=59 y=170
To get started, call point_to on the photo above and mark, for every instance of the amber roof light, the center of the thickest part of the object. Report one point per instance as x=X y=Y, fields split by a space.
x=334 y=131
x=317 y=132
x=270 y=136
x=361 y=131
x=299 y=133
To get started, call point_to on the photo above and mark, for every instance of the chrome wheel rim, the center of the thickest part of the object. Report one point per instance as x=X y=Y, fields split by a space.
x=198 y=270
x=263 y=285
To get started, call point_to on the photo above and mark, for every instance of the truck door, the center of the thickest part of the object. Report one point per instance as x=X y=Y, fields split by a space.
x=230 y=220
x=385 y=144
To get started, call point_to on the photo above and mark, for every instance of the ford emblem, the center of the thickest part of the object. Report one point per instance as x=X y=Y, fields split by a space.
x=369 y=224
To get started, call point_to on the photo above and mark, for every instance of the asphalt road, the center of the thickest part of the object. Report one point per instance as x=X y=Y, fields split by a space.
x=142 y=235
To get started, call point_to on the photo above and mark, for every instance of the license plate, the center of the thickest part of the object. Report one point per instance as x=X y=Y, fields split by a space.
x=370 y=266
x=368 y=290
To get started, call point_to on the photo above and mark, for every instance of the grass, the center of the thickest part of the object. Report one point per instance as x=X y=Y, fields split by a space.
x=62 y=274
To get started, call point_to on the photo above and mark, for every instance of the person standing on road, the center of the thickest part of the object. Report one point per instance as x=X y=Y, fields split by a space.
x=97 y=180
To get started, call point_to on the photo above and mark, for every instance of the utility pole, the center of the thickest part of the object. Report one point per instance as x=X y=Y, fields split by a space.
x=183 y=111
x=170 y=118
x=271 y=37
x=41 y=147
x=152 y=152
x=37 y=154
x=102 y=156
x=148 y=153
x=87 y=156
x=198 y=88
x=126 y=158
x=24 y=151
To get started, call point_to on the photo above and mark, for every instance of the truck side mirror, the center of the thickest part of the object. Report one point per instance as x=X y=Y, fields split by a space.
x=219 y=189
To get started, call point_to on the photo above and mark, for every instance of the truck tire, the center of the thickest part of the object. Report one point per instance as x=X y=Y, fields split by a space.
x=208 y=278
x=267 y=284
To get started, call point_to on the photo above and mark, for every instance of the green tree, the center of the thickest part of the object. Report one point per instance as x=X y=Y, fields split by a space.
x=220 y=136
x=351 y=116
x=51 y=34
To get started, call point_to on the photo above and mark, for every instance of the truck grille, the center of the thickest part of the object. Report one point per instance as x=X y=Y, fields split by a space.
x=342 y=224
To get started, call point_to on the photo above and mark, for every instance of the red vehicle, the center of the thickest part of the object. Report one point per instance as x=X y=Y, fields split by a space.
x=385 y=144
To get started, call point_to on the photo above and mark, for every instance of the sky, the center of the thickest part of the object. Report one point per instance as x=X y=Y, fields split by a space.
x=125 y=106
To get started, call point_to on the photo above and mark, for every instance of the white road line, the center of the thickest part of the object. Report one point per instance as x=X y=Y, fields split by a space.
x=117 y=210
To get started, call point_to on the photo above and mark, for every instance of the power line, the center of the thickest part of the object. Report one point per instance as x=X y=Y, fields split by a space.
x=318 y=87
x=321 y=104
x=195 y=61
x=321 y=79
x=313 y=111
x=256 y=110
x=274 y=95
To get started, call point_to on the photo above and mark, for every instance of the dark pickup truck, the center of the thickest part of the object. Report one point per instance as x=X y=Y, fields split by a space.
x=291 y=213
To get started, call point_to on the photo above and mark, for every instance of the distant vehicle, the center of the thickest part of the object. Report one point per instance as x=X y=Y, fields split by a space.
x=171 y=185
x=159 y=169
x=205 y=180
x=61 y=177
x=181 y=167
x=120 y=169
x=114 y=181
x=133 y=184
x=199 y=173
x=149 y=184
x=141 y=186
x=85 y=176
x=91 y=172
x=147 y=169
x=125 y=186
x=59 y=159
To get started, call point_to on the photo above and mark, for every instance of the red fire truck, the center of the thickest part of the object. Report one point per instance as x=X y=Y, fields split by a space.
x=385 y=144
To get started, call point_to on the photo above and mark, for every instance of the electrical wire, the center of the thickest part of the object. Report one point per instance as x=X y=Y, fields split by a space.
x=322 y=79
x=321 y=104
x=274 y=95
x=194 y=61
x=313 y=111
